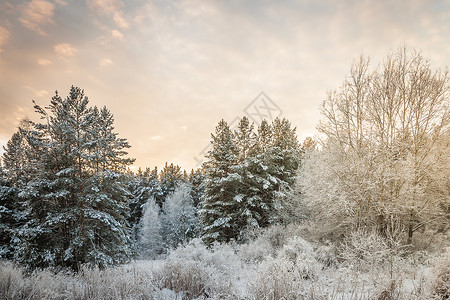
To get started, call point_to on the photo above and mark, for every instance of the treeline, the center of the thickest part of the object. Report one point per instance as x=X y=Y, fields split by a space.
x=68 y=197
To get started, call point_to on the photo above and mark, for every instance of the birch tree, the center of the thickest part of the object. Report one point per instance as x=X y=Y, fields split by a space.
x=382 y=145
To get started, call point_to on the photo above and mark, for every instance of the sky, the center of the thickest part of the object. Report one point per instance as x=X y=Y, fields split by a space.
x=169 y=71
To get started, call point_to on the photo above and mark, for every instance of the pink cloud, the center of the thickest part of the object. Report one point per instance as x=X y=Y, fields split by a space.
x=109 y=8
x=120 y=21
x=44 y=62
x=117 y=34
x=65 y=50
x=104 y=7
x=4 y=36
x=37 y=14
x=105 y=62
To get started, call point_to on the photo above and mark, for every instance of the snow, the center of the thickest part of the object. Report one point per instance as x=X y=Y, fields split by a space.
x=277 y=263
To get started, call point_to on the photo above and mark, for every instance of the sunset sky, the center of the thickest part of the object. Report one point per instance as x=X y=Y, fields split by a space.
x=170 y=70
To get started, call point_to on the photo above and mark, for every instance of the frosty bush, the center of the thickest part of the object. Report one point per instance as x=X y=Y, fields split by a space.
x=256 y=251
x=297 y=269
x=325 y=254
x=88 y=283
x=195 y=270
x=368 y=250
x=188 y=279
x=276 y=279
x=11 y=284
x=390 y=292
x=441 y=285
x=301 y=254
x=267 y=241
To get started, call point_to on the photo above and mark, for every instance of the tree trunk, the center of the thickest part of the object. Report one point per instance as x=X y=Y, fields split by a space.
x=410 y=229
x=381 y=225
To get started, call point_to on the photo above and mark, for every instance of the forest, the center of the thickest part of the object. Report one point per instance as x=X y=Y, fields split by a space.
x=359 y=211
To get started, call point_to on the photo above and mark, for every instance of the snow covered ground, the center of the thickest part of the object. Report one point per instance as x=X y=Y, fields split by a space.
x=277 y=264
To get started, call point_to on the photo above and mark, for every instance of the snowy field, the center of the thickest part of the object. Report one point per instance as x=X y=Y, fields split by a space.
x=276 y=264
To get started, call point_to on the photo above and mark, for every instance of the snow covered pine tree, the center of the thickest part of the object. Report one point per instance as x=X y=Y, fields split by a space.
x=75 y=200
x=249 y=178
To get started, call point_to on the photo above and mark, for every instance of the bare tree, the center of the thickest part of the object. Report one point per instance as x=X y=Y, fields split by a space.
x=383 y=144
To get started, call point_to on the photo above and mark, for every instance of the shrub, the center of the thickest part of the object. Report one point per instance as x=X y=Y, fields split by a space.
x=441 y=284
x=390 y=292
x=188 y=279
x=214 y=270
x=367 y=250
x=276 y=279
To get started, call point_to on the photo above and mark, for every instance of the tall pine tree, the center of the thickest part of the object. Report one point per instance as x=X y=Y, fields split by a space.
x=249 y=178
x=75 y=199
x=221 y=181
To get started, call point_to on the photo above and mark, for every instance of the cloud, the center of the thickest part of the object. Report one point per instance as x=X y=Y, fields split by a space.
x=65 y=50
x=156 y=138
x=38 y=93
x=4 y=36
x=104 y=7
x=37 y=14
x=44 y=62
x=120 y=21
x=149 y=10
x=105 y=62
x=110 y=8
x=117 y=34
x=61 y=2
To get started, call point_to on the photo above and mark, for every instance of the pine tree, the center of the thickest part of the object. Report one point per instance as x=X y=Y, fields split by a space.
x=9 y=216
x=75 y=198
x=143 y=186
x=285 y=150
x=51 y=194
x=250 y=207
x=249 y=178
x=264 y=137
x=179 y=219
x=196 y=179
x=170 y=176
x=13 y=175
x=107 y=194
x=150 y=240
x=15 y=157
x=219 y=202
x=245 y=138
x=283 y=159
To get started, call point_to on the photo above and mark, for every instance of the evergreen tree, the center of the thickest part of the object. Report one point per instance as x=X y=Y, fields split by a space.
x=196 y=179
x=250 y=207
x=150 y=240
x=221 y=181
x=179 y=219
x=264 y=137
x=249 y=178
x=245 y=138
x=285 y=150
x=13 y=175
x=283 y=159
x=9 y=216
x=170 y=176
x=143 y=186
x=16 y=155
x=75 y=199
